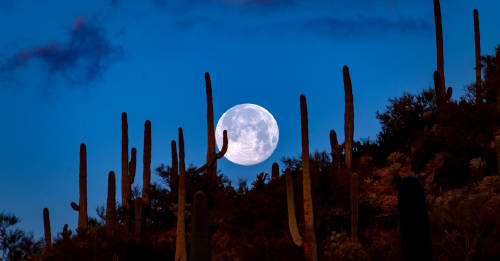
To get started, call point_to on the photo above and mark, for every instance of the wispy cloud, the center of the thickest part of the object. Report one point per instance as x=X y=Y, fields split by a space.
x=343 y=27
x=86 y=55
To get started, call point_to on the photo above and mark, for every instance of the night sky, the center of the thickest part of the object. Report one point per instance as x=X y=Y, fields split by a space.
x=68 y=70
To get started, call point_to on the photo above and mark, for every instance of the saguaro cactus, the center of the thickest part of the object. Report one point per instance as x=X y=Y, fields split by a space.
x=46 y=228
x=200 y=244
x=310 y=248
x=175 y=165
x=66 y=233
x=125 y=164
x=275 y=171
x=212 y=170
x=146 y=170
x=439 y=42
x=414 y=223
x=497 y=134
x=348 y=117
x=82 y=207
x=180 y=243
x=292 y=219
x=354 y=206
x=477 y=41
x=111 y=201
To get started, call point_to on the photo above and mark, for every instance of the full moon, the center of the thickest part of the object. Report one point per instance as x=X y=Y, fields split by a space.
x=252 y=134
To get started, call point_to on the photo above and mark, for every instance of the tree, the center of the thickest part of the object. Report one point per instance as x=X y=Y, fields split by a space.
x=15 y=244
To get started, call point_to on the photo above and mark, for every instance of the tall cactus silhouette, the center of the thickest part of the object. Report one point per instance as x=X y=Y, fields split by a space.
x=348 y=117
x=46 y=228
x=146 y=170
x=128 y=173
x=82 y=206
x=200 y=243
x=439 y=42
x=212 y=170
x=125 y=179
x=310 y=248
x=275 y=171
x=292 y=219
x=180 y=243
x=111 y=201
x=442 y=94
x=414 y=222
x=354 y=206
x=477 y=42
x=497 y=134
x=175 y=165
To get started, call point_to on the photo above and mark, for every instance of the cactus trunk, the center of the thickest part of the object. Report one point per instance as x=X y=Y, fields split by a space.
x=310 y=248
x=290 y=201
x=497 y=134
x=477 y=41
x=414 y=223
x=111 y=201
x=439 y=45
x=146 y=170
x=212 y=170
x=125 y=177
x=180 y=243
x=354 y=206
x=82 y=212
x=200 y=244
x=348 y=117
x=46 y=228
x=175 y=166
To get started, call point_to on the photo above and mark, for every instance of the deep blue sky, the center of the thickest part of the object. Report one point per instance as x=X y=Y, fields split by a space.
x=68 y=69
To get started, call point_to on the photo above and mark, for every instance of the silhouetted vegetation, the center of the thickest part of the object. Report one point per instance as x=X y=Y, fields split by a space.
x=429 y=185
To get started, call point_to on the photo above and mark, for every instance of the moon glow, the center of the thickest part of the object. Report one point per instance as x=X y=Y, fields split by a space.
x=252 y=134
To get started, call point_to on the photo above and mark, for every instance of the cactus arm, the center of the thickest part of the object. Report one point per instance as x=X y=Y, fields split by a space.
x=219 y=155
x=132 y=166
x=292 y=219
x=75 y=206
